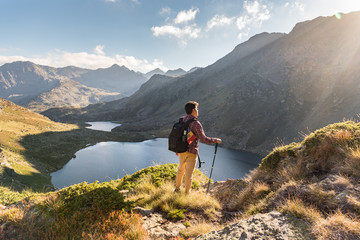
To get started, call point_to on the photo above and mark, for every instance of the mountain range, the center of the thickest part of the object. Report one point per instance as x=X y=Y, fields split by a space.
x=170 y=73
x=41 y=87
x=268 y=89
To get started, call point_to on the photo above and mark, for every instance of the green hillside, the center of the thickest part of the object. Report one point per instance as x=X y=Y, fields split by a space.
x=32 y=146
x=20 y=168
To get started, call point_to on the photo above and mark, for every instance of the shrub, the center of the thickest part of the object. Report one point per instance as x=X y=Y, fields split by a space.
x=102 y=196
x=176 y=214
x=8 y=196
x=272 y=160
x=158 y=175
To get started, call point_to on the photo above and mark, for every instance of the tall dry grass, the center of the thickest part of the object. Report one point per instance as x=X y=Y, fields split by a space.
x=337 y=226
x=163 y=198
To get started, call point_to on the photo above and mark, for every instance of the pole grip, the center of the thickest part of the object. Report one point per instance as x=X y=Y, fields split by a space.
x=216 y=146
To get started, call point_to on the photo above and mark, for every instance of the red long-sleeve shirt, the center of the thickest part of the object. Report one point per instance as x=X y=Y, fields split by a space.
x=198 y=130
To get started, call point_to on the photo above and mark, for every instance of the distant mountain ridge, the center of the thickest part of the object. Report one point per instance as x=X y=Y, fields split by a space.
x=115 y=78
x=170 y=73
x=41 y=87
x=175 y=73
x=148 y=75
x=267 y=90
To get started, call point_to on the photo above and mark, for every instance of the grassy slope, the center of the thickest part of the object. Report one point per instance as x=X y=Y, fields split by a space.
x=316 y=180
x=17 y=167
x=32 y=146
x=101 y=211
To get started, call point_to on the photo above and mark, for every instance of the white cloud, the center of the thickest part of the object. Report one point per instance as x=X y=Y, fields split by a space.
x=3 y=50
x=99 y=50
x=187 y=31
x=165 y=11
x=110 y=0
x=186 y=16
x=252 y=7
x=242 y=22
x=88 y=60
x=183 y=34
x=219 y=20
x=257 y=10
x=296 y=5
x=255 y=13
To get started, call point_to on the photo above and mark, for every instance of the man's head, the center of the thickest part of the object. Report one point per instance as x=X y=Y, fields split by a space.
x=191 y=108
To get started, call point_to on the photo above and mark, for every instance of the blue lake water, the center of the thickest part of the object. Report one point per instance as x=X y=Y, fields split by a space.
x=103 y=126
x=111 y=160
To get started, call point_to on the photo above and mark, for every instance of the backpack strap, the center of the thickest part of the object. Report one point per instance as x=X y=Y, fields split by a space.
x=190 y=121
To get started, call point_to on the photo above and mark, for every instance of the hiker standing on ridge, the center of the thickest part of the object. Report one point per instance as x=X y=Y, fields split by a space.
x=188 y=159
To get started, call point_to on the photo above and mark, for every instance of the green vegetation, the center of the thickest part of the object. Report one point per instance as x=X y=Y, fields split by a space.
x=100 y=210
x=86 y=211
x=176 y=214
x=8 y=196
x=156 y=175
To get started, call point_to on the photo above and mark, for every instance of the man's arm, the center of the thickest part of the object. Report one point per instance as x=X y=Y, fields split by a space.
x=200 y=134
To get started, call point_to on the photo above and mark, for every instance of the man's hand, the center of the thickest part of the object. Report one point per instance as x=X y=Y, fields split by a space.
x=218 y=140
x=177 y=154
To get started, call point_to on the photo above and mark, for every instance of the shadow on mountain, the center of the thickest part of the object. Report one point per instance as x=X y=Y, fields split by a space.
x=18 y=182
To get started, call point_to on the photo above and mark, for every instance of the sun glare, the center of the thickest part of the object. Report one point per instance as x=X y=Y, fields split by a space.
x=338 y=15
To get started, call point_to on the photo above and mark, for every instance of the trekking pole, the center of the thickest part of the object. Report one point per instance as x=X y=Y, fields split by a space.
x=207 y=191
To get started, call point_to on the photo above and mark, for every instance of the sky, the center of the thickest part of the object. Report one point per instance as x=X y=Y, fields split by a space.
x=145 y=34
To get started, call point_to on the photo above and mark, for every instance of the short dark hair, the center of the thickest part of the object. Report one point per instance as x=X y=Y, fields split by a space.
x=189 y=106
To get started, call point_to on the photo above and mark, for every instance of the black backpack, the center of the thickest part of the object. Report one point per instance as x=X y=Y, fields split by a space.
x=178 y=136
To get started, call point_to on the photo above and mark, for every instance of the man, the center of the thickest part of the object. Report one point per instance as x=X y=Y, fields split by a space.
x=188 y=159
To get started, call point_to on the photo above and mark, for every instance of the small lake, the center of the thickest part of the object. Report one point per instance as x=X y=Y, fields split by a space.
x=102 y=126
x=106 y=161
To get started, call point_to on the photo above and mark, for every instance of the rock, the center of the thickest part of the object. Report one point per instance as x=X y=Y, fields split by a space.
x=160 y=228
x=273 y=225
x=144 y=212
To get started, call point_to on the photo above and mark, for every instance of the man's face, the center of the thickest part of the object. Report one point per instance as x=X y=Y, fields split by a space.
x=195 y=112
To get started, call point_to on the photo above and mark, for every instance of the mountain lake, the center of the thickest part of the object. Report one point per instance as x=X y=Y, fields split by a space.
x=106 y=161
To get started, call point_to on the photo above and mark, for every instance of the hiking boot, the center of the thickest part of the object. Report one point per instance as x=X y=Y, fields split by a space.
x=177 y=190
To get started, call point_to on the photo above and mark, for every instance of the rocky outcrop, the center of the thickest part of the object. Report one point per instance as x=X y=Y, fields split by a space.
x=273 y=225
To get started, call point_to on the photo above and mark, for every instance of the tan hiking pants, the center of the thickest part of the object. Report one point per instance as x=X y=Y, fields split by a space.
x=187 y=167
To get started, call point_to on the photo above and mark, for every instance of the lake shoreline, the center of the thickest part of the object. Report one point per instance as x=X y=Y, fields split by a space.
x=108 y=160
